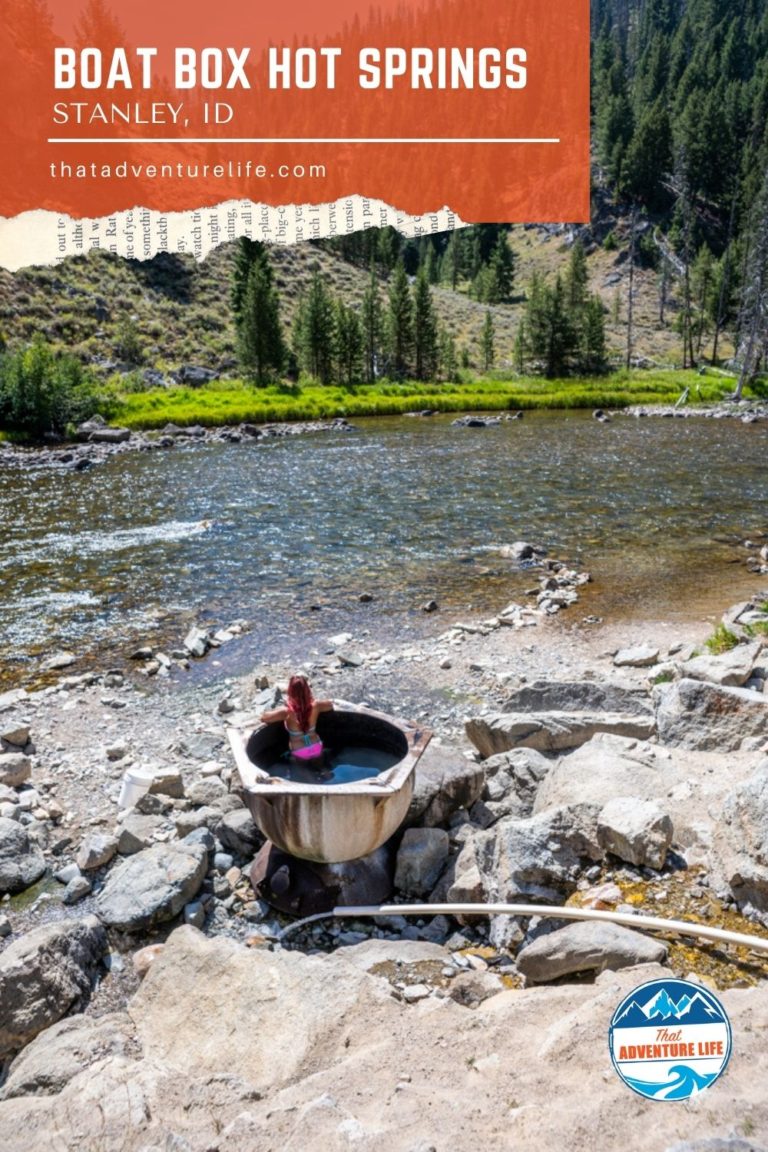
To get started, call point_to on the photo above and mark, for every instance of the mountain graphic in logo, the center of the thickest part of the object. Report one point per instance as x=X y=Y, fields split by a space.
x=662 y=1009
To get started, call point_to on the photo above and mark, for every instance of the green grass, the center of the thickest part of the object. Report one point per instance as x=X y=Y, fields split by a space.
x=721 y=640
x=233 y=402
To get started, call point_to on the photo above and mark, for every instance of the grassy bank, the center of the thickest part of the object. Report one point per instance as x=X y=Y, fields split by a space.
x=233 y=402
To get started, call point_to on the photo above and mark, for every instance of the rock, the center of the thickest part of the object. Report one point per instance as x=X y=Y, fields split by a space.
x=585 y=947
x=521 y=550
x=698 y=715
x=109 y=436
x=743 y=841
x=636 y=831
x=15 y=769
x=607 y=767
x=471 y=988
x=541 y=857
x=237 y=832
x=152 y=886
x=430 y=606
x=116 y=751
x=552 y=716
x=462 y=881
x=731 y=669
x=194 y=914
x=206 y=791
x=197 y=642
x=17 y=737
x=5 y=927
x=445 y=782
x=96 y=851
x=420 y=860
x=512 y=781
x=167 y=782
x=145 y=958
x=638 y=656
x=77 y=889
x=64 y=1050
x=21 y=861
x=137 y=832
x=43 y=975
x=58 y=661
x=414 y=992
x=195 y=819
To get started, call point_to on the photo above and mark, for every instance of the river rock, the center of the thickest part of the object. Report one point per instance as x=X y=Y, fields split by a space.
x=696 y=714
x=63 y=1051
x=585 y=947
x=15 y=768
x=471 y=988
x=445 y=782
x=731 y=669
x=743 y=840
x=635 y=830
x=638 y=656
x=95 y=851
x=167 y=782
x=552 y=716
x=109 y=436
x=21 y=861
x=197 y=642
x=77 y=889
x=420 y=859
x=43 y=975
x=541 y=857
x=152 y=886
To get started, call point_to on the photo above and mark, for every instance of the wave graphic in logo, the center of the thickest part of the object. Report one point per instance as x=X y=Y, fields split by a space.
x=670 y=1039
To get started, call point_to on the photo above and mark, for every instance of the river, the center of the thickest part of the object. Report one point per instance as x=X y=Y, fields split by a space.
x=290 y=532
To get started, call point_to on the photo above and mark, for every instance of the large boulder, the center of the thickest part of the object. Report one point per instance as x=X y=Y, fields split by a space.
x=731 y=669
x=152 y=886
x=21 y=861
x=696 y=714
x=445 y=782
x=586 y=946
x=552 y=716
x=635 y=830
x=541 y=857
x=605 y=768
x=743 y=840
x=63 y=1051
x=43 y=975
x=420 y=860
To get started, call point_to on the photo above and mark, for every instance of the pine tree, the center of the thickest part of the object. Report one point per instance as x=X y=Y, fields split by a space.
x=247 y=253
x=753 y=313
x=260 y=334
x=400 y=324
x=502 y=272
x=576 y=277
x=315 y=331
x=349 y=345
x=372 y=327
x=489 y=351
x=424 y=329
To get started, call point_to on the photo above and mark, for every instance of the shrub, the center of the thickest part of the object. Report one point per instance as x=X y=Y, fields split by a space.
x=42 y=391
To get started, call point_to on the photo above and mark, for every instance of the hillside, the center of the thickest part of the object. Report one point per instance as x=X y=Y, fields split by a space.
x=177 y=313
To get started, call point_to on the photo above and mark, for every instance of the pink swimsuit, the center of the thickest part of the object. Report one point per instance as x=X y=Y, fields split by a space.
x=312 y=747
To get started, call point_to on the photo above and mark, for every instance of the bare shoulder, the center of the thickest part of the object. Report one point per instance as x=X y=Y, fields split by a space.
x=325 y=705
x=274 y=715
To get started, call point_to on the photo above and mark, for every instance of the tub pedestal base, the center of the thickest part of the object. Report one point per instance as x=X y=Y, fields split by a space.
x=304 y=887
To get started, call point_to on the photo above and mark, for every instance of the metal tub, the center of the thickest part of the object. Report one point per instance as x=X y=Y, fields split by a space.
x=329 y=823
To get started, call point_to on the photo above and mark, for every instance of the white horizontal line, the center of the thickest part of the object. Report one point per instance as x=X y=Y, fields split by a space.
x=303 y=140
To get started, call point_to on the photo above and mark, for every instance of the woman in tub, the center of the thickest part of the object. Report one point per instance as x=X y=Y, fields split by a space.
x=299 y=715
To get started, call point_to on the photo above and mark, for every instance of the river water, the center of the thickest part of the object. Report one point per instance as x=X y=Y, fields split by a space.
x=288 y=533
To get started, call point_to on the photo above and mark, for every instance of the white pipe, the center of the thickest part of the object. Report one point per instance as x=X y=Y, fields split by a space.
x=630 y=919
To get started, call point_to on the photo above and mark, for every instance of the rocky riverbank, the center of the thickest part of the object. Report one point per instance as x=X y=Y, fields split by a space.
x=611 y=768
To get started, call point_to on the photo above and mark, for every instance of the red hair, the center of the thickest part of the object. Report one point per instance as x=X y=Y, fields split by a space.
x=300 y=700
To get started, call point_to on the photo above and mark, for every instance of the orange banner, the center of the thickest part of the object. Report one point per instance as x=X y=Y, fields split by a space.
x=482 y=107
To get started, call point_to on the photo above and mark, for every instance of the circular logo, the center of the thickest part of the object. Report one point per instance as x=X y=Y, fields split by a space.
x=670 y=1039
